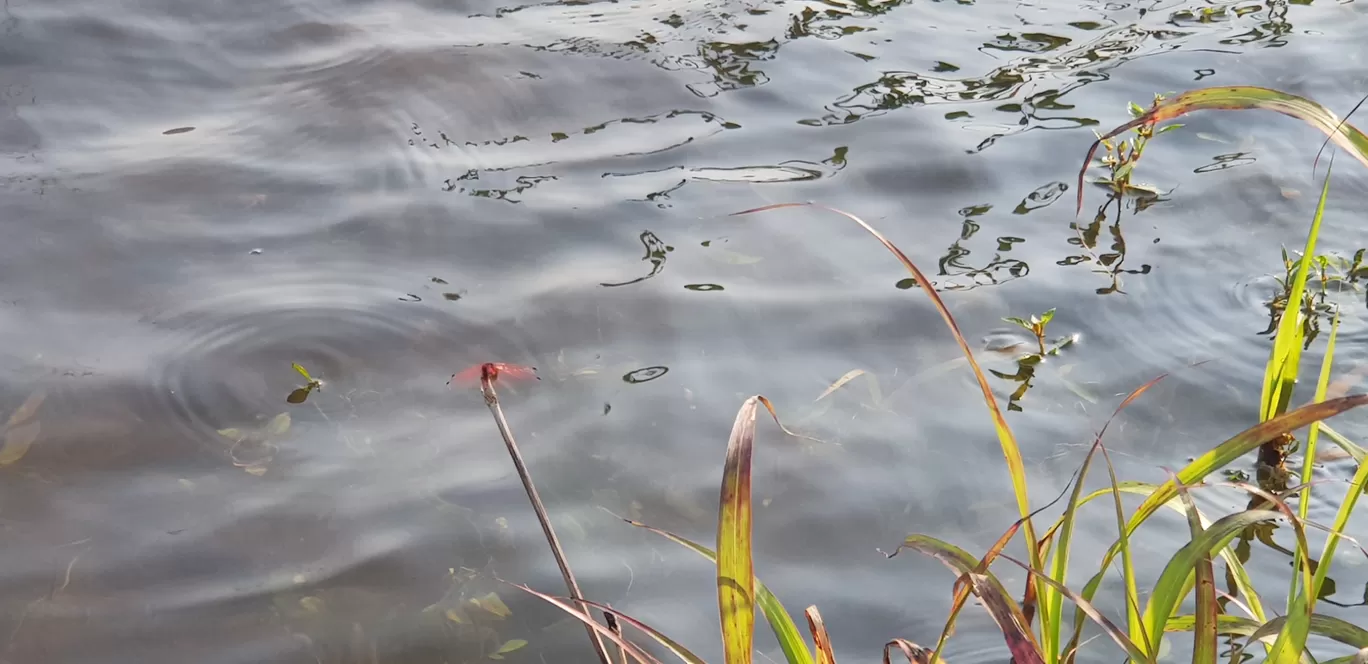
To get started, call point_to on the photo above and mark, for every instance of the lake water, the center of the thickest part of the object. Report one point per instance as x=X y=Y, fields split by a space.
x=196 y=194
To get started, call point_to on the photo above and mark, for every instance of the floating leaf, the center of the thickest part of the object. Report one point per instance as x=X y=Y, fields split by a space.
x=278 y=425
x=231 y=434
x=28 y=409
x=492 y=604
x=508 y=647
x=18 y=440
x=840 y=382
x=303 y=372
x=455 y=616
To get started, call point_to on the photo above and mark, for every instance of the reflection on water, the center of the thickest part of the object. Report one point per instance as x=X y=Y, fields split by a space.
x=247 y=247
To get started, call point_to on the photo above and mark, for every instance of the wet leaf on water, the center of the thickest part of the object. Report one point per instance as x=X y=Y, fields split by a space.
x=455 y=616
x=28 y=409
x=18 y=440
x=492 y=604
x=298 y=395
x=278 y=425
x=177 y=130
x=508 y=647
x=737 y=258
x=704 y=287
x=231 y=434
x=840 y=382
x=645 y=374
x=312 y=604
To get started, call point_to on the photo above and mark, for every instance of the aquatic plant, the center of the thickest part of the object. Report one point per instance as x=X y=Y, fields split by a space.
x=1190 y=572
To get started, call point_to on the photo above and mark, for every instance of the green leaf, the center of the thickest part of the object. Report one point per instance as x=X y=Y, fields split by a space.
x=1166 y=128
x=1280 y=374
x=1017 y=321
x=735 y=567
x=302 y=371
x=1052 y=601
x=508 y=647
x=278 y=425
x=1341 y=133
x=780 y=620
x=1169 y=589
x=1046 y=317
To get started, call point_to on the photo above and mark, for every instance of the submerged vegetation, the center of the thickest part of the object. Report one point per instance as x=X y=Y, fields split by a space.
x=1040 y=627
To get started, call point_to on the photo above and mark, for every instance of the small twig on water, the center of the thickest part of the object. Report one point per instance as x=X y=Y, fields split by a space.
x=488 y=374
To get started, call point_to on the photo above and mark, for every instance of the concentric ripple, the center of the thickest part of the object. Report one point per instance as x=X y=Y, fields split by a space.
x=229 y=355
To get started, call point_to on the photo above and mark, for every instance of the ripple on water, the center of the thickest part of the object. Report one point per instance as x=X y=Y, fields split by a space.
x=228 y=359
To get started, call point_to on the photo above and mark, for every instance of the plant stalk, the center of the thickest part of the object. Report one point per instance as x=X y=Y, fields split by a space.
x=488 y=374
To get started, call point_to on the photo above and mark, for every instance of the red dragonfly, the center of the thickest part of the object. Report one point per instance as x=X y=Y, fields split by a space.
x=495 y=370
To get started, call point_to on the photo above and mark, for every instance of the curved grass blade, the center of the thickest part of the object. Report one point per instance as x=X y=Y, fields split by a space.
x=990 y=592
x=1231 y=98
x=1169 y=589
x=630 y=648
x=1284 y=361
x=1010 y=450
x=1358 y=454
x=1341 y=522
x=735 y=567
x=1239 y=445
x=819 y=636
x=914 y=653
x=1052 y=606
x=669 y=643
x=1329 y=627
x=1086 y=607
x=785 y=630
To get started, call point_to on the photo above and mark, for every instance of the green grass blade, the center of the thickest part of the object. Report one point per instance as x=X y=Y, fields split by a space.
x=735 y=567
x=1016 y=466
x=1329 y=627
x=1239 y=445
x=1051 y=600
x=780 y=620
x=1232 y=98
x=1169 y=589
x=1084 y=606
x=1357 y=453
x=1341 y=522
x=1280 y=374
x=990 y=592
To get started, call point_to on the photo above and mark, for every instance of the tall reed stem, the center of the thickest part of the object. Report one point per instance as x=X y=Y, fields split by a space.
x=488 y=374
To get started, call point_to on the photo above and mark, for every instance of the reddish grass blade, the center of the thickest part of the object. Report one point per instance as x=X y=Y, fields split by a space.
x=630 y=648
x=785 y=630
x=673 y=646
x=471 y=375
x=819 y=636
x=1204 y=632
x=735 y=567
x=1088 y=609
x=1232 y=98
x=914 y=653
x=1010 y=450
x=990 y=592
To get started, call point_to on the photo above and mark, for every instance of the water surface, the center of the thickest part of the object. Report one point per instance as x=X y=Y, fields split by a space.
x=197 y=194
